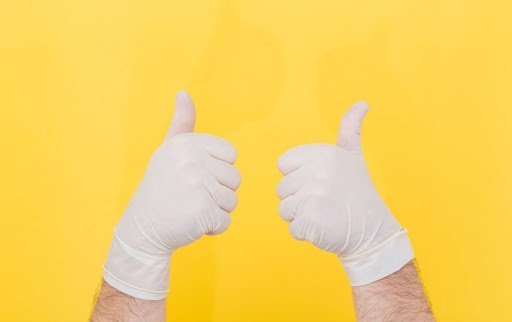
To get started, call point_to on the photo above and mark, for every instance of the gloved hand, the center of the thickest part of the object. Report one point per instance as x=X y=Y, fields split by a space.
x=329 y=199
x=188 y=191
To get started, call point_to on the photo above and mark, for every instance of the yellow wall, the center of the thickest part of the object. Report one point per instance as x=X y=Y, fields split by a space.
x=86 y=90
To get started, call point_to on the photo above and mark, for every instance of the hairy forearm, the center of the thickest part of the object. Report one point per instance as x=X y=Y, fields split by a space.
x=112 y=305
x=398 y=297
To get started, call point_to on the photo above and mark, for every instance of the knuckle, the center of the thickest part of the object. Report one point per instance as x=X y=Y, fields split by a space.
x=231 y=203
x=235 y=200
x=224 y=221
x=281 y=190
x=284 y=211
x=231 y=152
x=237 y=178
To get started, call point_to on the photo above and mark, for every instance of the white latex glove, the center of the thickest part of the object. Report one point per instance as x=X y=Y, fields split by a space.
x=329 y=199
x=187 y=191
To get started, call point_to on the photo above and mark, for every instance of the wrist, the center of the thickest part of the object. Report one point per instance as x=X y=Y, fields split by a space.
x=380 y=261
x=136 y=273
x=397 y=297
x=113 y=305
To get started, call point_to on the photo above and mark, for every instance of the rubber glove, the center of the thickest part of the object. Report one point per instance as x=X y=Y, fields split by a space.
x=329 y=200
x=188 y=191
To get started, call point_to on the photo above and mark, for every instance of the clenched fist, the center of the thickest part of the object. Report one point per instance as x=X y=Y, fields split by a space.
x=188 y=191
x=329 y=200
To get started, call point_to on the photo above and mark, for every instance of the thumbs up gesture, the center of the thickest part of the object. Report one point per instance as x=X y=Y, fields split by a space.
x=329 y=200
x=188 y=191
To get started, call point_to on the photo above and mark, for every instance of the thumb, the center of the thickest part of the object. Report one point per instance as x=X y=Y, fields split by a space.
x=184 y=115
x=349 y=135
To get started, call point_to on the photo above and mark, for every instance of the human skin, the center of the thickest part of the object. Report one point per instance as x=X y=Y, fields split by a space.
x=189 y=192
x=113 y=305
x=397 y=297
x=329 y=200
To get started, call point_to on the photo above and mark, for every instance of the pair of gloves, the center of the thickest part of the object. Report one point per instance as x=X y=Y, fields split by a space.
x=188 y=191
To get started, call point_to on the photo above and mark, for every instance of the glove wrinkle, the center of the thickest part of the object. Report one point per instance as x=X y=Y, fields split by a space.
x=177 y=202
x=341 y=210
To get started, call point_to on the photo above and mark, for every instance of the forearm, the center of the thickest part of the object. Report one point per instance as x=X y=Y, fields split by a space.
x=113 y=305
x=188 y=191
x=397 y=297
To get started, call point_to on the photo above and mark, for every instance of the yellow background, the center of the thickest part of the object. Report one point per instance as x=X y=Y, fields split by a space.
x=86 y=92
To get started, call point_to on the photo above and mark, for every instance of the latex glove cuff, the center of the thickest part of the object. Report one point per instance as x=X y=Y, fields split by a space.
x=383 y=260
x=135 y=273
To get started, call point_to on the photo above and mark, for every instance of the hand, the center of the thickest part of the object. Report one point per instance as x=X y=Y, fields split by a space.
x=329 y=199
x=188 y=191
